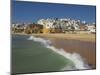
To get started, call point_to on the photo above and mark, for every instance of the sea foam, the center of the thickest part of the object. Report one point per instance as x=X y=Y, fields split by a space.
x=74 y=57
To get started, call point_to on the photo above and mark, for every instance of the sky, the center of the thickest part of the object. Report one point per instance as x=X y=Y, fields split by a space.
x=26 y=12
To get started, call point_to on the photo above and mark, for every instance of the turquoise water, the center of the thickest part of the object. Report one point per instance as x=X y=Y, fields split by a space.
x=29 y=56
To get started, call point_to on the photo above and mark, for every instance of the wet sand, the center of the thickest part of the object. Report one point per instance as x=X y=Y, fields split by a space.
x=84 y=47
x=87 y=50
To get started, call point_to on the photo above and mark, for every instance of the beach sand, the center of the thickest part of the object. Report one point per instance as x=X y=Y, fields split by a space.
x=85 y=49
x=81 y=37
x=83 y=44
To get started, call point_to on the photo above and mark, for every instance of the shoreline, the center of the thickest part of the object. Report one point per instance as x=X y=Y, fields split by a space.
x=79 y=37
x=87 y=50
x=84 y=47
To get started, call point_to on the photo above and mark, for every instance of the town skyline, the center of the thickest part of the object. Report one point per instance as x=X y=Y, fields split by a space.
x=29 y=12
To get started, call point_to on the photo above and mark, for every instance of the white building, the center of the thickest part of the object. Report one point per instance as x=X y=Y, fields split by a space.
x=62 y=23
x=48 y=23
x=91 y=28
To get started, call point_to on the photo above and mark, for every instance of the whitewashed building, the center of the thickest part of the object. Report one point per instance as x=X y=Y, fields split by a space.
x=91 y=28
x=63 y=23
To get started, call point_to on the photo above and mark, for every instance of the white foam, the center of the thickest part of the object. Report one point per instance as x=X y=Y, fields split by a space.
x=37 y=39
x=74 y=57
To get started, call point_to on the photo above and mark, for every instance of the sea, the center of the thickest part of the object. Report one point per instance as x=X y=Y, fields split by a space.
x=32 y=54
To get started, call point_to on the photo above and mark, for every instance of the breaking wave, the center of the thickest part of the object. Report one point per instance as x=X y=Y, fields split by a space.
x=41 y=40
x=74 y=57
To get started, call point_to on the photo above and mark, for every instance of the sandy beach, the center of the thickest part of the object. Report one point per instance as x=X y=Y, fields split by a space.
x=81 y=37
x=87 y=50
x=83 y=44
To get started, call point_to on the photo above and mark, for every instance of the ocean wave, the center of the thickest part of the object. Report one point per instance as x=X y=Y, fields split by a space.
x=41 y=40
x=74 y=57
